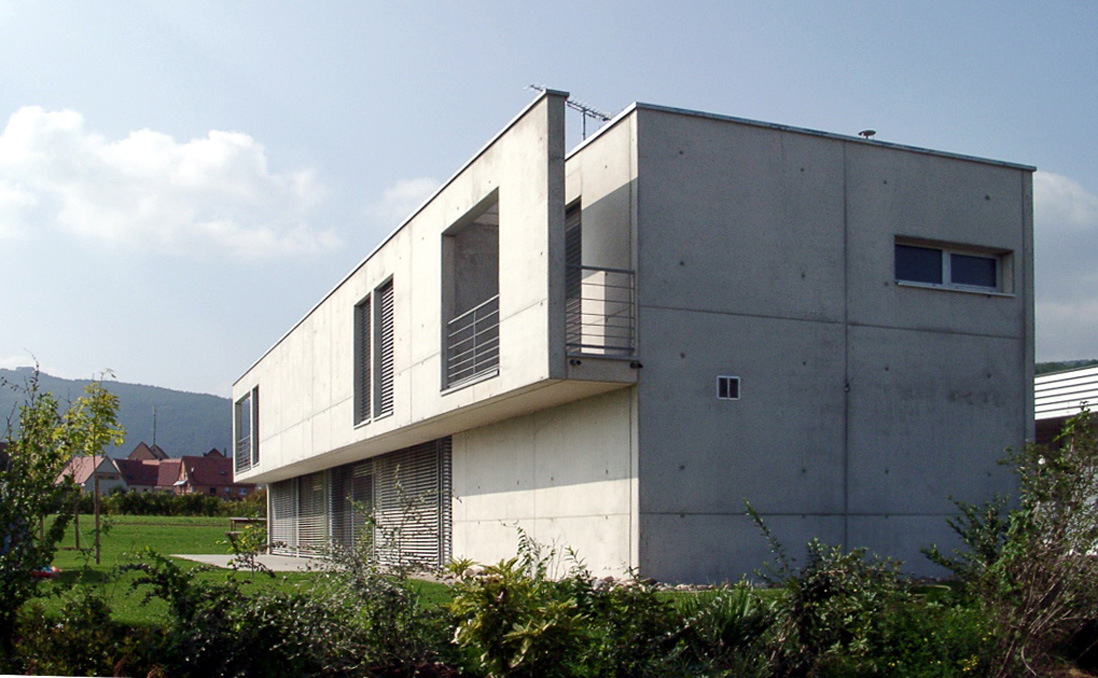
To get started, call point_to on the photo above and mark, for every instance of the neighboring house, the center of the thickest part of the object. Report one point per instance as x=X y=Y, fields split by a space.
x=80 y=468
x=210 y=474
x=146 y=452
x=1058 y=396
x=169 y=471
x=140 y=474
x=613 y=348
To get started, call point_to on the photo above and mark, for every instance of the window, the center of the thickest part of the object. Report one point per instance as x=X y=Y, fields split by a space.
x=728 y=388
x=363 y=320
x=246 y=433
x=950 y=267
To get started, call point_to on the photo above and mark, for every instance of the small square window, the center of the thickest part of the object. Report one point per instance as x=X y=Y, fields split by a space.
x=728 y=388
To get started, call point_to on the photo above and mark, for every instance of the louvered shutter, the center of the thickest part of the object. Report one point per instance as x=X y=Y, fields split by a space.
x=384 y=366
x=362 y=361
x=413 y=506
x=573 y=276
x=312 y=528
x=283 y=519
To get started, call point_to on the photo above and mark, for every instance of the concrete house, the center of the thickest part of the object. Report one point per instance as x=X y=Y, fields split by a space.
x=613 y=347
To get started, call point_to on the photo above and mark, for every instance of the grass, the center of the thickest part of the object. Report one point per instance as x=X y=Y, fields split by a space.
x=126 y=536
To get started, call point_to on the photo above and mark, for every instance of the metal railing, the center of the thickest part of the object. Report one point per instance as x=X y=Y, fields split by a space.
x=243 y=456
x=472 y=343
x=600 y=311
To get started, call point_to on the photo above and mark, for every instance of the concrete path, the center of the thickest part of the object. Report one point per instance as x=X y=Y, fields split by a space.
x=272 y=562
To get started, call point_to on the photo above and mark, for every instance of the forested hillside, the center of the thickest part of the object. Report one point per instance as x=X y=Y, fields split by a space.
x=186 y=423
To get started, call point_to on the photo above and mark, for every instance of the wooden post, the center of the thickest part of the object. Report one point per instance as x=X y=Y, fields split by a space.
x=95 y=503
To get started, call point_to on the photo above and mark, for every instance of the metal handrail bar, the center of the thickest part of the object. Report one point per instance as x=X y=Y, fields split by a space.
x=472 y=342
x=601 y=268
x=474 y=309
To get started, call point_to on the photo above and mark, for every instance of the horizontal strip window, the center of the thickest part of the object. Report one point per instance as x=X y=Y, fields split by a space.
x=950 y=267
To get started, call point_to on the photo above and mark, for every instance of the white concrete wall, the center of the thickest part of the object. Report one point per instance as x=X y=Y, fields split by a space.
x=306 y=380
x=566 y=476
x=768 y=254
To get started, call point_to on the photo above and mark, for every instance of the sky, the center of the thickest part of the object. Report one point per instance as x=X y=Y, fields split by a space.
x=180 y=182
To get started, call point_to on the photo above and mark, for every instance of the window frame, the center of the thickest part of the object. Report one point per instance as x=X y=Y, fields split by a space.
x=727 y=380
x=946 y=252
x=363 y=361
x=249 y=402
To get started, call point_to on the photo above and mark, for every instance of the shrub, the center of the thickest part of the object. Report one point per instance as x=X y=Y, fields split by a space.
x=1041 y=590
x=517 y=621
x=724 y=629
x=81 y=639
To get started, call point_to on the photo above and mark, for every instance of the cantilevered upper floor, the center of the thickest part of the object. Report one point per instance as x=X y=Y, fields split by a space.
x=505 y=293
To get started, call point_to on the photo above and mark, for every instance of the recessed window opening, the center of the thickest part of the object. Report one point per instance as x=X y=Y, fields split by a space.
x=246 y=431
x=952 y=267
x=728 y=387
x=470 y=295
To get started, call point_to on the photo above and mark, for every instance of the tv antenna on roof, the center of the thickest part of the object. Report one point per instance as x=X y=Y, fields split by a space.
x=585 y=110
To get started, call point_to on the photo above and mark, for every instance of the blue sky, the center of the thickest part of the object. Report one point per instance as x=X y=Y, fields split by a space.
x=180 y=182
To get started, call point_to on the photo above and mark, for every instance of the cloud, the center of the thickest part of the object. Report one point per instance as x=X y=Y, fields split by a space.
x=213 y=194
x=398 y=201
x=16 y=361
x=1066 y=268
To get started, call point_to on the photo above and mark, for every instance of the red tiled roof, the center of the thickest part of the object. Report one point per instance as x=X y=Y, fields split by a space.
x=80 y=468
x=143 y=451
x=208 y=470
x=169 y=472
x=138 y=471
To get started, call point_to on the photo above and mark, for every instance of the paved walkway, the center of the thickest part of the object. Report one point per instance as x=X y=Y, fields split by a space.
x=272 y=562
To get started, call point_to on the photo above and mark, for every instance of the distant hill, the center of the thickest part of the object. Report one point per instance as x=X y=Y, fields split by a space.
x=1045 y=368
x=186 y=423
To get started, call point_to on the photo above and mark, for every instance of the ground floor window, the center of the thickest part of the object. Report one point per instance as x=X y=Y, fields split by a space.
x=394 y=508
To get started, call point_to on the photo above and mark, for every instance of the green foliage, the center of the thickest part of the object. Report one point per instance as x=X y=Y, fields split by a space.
x=38 y=448
x=216 y=628
x=516 y=620
x=120 y=502
x=395 y=633
x=82 y=639
x=982 y=529
x=830 y=610
x=1041 y=590
x=725 y=628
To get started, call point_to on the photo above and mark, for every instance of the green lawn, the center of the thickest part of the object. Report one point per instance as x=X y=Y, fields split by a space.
x=126 y=536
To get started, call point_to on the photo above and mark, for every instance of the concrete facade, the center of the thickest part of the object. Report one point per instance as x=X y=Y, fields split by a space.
x=667 y=250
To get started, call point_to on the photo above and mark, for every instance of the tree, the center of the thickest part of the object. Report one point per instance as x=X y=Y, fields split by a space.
x=38 y=449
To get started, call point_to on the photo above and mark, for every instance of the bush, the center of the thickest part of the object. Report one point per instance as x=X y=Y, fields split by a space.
x=121 y=502
x=517 y=621
x=1034 y=573
x=83 y=640
x=724 y=629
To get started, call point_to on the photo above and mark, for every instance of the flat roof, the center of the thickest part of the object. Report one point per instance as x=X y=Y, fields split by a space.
x=626 y=112
x=797 y=130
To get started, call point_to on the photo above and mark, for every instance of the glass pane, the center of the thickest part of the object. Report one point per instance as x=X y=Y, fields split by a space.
x=918 y=264
x=965 y=269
